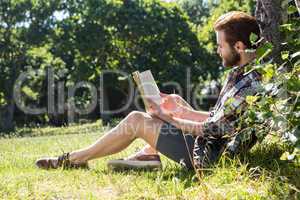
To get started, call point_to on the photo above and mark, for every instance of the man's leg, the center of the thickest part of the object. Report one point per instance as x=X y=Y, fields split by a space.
x=135 y=125
x=148 y=149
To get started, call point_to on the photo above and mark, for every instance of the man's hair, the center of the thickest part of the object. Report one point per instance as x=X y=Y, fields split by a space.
x=238 y=26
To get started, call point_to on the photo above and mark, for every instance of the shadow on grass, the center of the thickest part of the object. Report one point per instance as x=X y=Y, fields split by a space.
x=45 y=130
x=263 y=157
x=266 y=157
x=169 y=172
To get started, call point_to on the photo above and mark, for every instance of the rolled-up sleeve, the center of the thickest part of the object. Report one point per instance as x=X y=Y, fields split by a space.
x=217 y=128
x=225 y=118
x=223 y=121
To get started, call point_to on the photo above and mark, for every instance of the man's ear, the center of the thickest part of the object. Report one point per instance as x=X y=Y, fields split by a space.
x=239 y=46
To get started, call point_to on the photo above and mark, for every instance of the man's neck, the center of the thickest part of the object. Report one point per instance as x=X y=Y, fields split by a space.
x=246 y=58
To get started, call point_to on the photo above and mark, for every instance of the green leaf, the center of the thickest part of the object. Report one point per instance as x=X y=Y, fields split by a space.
x=2 y=99
x=264 y=50
x=251 y=99
x=253 y=38
x=29 y=92
x=288 y=27
x=292 y=9
x=92 y=77
x=293 y=84
x=285 y=55
x=287 y=156
x=268 y=73
x=229 y=101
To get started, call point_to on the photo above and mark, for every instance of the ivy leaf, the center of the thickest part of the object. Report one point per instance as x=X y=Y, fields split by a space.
x=251 y=99
x=263 y=51
x=287 y=156
x=228 y=103
x=92 y=77
x=268 y=73
x=285 y=55
x=292 y=9
x=293 y=84
x=253 y=38
x=288 y=27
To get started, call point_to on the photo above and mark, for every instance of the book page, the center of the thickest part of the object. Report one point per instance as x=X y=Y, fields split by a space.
x=147 y=87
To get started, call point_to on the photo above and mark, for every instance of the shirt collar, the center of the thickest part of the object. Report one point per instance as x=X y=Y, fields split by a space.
x=241 y=68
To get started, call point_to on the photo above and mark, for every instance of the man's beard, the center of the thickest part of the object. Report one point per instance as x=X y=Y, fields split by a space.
x=233 y=58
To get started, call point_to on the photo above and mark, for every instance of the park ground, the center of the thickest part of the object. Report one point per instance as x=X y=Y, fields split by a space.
x=260 y=174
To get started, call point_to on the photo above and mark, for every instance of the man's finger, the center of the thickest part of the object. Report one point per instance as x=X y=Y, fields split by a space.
x=150 y=101
x=163 y=94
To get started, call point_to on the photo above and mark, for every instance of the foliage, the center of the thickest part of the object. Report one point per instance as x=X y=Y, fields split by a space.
x=206 y=33
x=197 y=10
x=78 y=40
x=276 y=109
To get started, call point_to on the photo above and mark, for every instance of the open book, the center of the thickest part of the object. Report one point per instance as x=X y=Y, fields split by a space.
x=147 y=87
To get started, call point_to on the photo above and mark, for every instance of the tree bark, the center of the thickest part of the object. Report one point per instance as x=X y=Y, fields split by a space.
x=7 y=118
x=269 y=15
x=297 y=2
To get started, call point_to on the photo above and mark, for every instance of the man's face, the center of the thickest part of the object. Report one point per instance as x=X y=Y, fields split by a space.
x=230 y=57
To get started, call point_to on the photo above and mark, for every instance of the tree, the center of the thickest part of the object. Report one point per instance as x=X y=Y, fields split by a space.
x=269 y=14
x=88 y=38
x=23 y=25
x=197 y=10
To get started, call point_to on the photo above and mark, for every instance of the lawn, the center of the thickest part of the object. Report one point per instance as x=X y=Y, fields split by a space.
x=258 y=175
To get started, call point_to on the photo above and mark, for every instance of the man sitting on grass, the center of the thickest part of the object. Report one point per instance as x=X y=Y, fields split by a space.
x=192 y=138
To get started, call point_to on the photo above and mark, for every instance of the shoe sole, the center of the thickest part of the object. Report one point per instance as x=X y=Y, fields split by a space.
x=129 y=164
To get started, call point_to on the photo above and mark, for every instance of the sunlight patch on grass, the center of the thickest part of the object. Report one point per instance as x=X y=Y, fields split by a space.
x=257 y=175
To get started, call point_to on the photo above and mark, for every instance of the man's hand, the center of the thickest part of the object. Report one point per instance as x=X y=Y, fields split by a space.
x=181 y=109
x=171 y=103
x=178 y=99
x=169 y=115
x=159 y=111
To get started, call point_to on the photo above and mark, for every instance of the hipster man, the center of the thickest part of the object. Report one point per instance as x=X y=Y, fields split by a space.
x=173 y=128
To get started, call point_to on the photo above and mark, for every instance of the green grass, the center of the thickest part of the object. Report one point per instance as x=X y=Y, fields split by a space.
x=258 y=175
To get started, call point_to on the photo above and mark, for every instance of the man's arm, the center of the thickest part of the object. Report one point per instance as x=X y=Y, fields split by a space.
x=185 y=125
x=193 y=115
x=191 y=127
x=181 y=109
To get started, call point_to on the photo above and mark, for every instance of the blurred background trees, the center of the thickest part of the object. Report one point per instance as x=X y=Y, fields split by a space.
x=78 y=40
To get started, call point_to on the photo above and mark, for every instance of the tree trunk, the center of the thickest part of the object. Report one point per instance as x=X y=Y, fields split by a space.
x=7 y=118
x=269 y=15
x=297 y=2
x=104 y=106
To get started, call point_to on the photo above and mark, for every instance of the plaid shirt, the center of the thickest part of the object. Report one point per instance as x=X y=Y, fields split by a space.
x=224 y=123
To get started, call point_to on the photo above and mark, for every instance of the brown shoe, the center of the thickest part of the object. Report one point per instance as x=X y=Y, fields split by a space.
x=60 y=161
x=151 y=161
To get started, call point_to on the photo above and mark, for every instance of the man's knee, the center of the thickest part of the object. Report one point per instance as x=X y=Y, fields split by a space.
x=137 y=117
x=140 y=122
